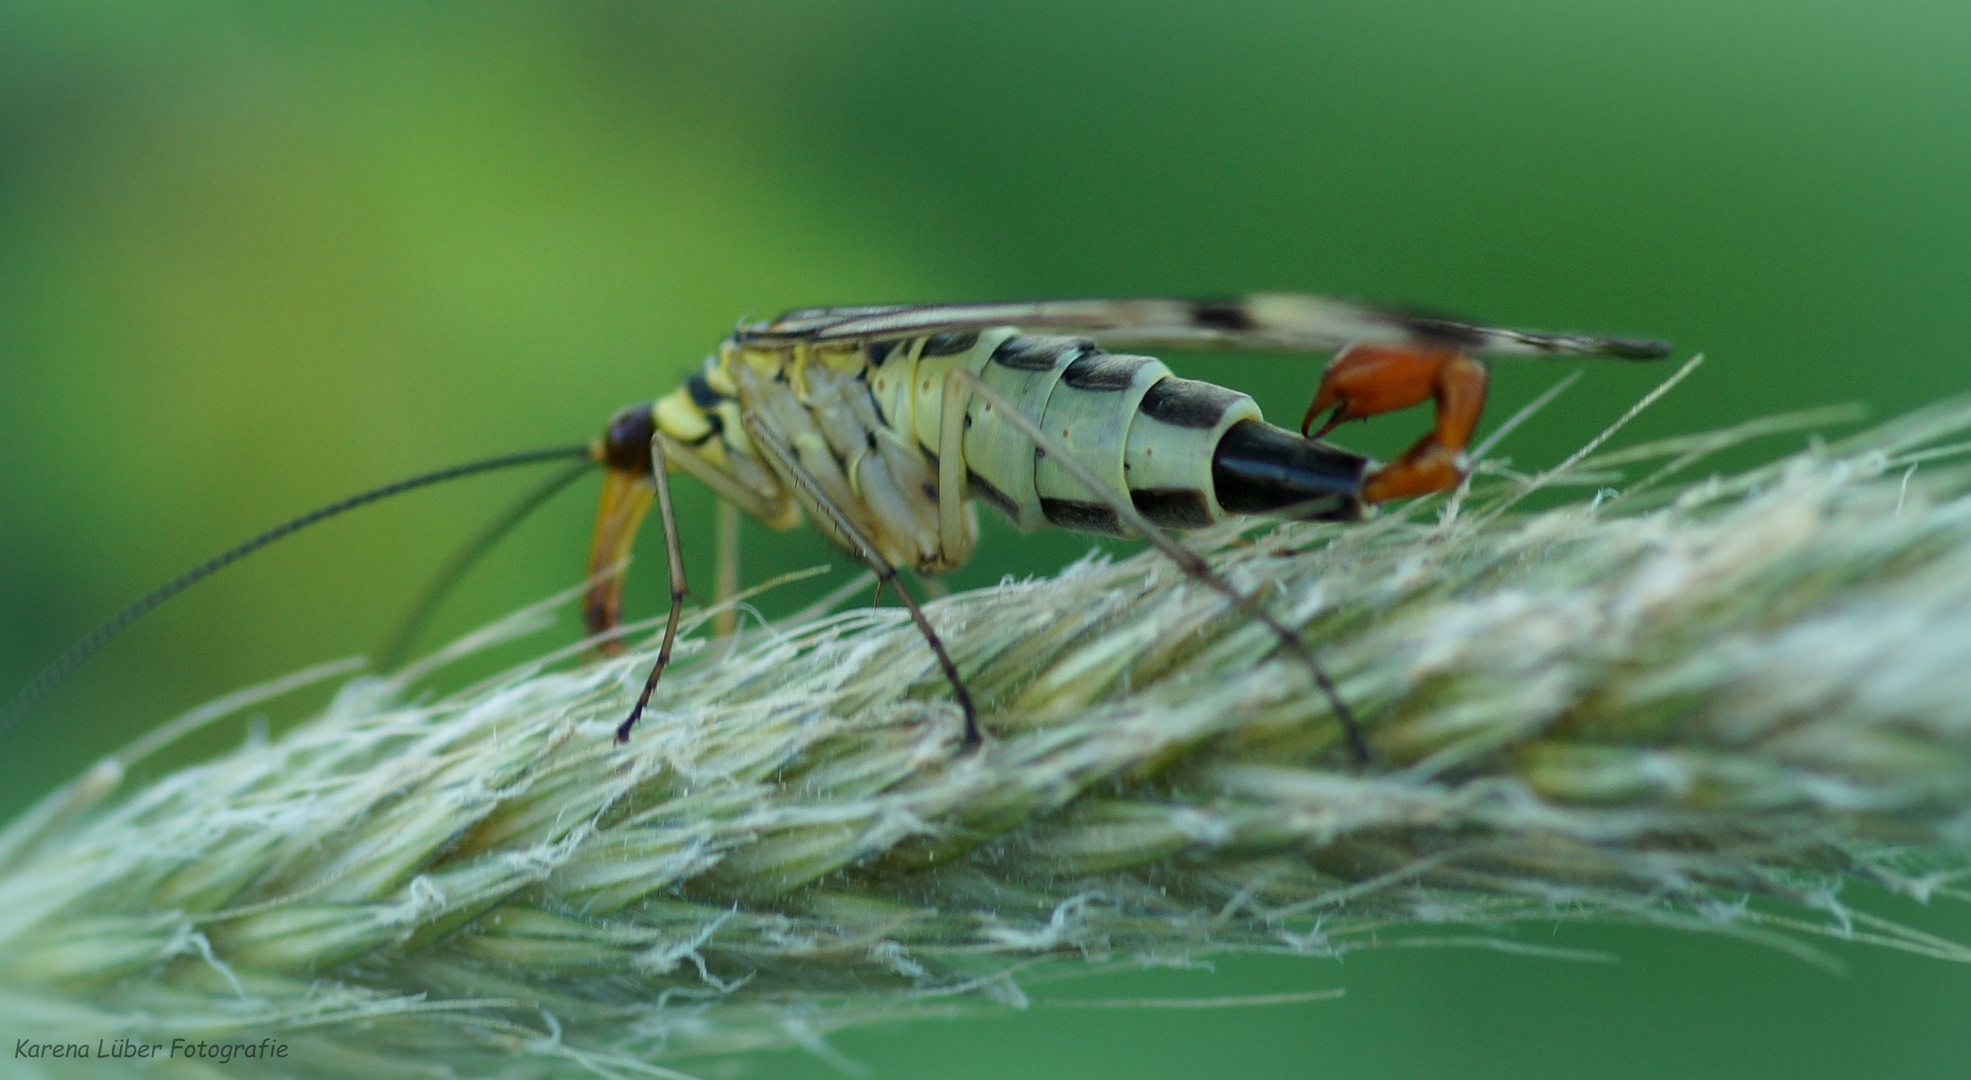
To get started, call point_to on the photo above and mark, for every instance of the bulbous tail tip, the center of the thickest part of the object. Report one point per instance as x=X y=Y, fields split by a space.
x=1261 y=469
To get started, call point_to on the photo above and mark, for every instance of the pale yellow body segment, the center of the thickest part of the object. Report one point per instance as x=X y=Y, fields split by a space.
x=864 y=422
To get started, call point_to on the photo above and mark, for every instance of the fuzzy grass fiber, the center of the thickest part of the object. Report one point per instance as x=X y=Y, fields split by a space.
x=1704 y=706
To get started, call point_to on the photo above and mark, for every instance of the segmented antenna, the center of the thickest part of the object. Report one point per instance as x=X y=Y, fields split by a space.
x=95 y=639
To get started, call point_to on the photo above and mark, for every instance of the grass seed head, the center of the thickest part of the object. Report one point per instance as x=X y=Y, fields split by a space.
x=1641 y=708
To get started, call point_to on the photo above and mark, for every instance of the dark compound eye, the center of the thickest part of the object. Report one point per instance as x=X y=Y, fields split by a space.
x=626 y=441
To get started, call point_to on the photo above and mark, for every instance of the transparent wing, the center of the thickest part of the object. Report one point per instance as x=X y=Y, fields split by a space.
x=1282 y=321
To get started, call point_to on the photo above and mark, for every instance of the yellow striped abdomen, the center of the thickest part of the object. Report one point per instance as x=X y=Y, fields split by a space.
x=1148 y=434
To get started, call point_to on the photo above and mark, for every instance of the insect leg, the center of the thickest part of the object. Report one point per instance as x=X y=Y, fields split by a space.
x=722 y=484
x=1187 y=560
x=837 y=523
x=626 y=497
x=1368 y=380
x=725 y=584
x=659 y=475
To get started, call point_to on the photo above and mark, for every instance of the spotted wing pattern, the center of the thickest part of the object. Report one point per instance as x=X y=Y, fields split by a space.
x=1283 y=321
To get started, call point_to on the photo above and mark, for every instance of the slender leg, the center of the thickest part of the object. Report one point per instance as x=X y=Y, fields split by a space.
x=1187 y=560
x=627 y=493
x=764 y=507
x=1366 y=381
x=659 y=473
x=844 y=531
x=726 y=583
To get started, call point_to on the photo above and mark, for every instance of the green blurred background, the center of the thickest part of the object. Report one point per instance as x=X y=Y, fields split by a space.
x=256 y=256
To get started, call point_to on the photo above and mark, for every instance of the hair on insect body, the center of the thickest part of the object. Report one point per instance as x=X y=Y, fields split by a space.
x=883 y=424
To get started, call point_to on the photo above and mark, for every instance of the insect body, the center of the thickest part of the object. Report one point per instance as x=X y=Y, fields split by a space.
x=884 y=423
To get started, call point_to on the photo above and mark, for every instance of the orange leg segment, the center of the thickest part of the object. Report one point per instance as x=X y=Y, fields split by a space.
x=1367 y=380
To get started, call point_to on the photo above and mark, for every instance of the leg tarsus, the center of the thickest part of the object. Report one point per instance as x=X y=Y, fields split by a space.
x=834 y=519
x=660 y=476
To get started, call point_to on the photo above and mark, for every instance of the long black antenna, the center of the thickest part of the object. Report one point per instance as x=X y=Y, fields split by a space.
x=397 y=647
x=115 y=624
